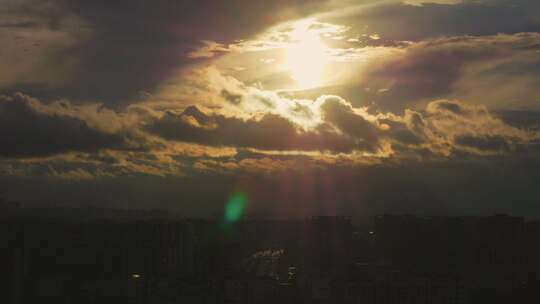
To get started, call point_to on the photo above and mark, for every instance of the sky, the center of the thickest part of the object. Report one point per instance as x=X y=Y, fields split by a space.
x=301 y=108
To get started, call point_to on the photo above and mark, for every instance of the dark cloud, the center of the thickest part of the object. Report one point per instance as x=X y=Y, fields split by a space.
x=27 y=132
x=52 y=14
x=268 y=102
x=454 y=187
x=235 y=99
x=426 y=71
x=446 y=105
x=444 y=128
x=456 y=108
x=340 y=113
x=31 y=128
x=402 y=22
x=465 y=126
x=132 y=46
x=499 y=71
x=487 y=143
x=268 y=132
x=457 y=67
x=27 y=24
x=403 y=133
x=528 y=120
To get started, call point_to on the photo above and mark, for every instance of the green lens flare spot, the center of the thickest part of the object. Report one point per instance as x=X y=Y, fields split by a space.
x=235 y=207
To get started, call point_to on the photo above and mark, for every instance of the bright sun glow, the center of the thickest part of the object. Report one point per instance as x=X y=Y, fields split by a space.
x=307 y=58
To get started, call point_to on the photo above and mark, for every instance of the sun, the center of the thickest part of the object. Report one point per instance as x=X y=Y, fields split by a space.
x=306 y=59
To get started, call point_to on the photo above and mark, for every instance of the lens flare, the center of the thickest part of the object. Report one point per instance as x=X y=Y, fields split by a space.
x=235 y=207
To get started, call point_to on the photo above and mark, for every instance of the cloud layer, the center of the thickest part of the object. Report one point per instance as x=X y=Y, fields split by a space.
x=110 y=52
x=27 y=131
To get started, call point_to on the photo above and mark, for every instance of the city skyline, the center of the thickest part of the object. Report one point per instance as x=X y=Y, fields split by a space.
x=113 y=256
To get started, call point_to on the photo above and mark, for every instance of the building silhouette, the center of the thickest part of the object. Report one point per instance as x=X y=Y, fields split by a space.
x=136 y=256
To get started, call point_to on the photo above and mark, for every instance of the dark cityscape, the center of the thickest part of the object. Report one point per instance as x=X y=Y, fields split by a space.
x=134 y=256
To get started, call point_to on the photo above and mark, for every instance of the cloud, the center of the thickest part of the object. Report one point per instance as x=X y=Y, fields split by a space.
x=422 y=2
x=33 y=35
x=266 y=131
x=331 y=124
x=500 y=71
x=401 y=21
x=110 y=52
x=208 y=50
x=65 y=140
x=341 y=114
x=418 y=187
x=471 y=129
x=231 y=97
x=522 y=119
x=443 y=128
x=486 y=143
x=26 y=131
